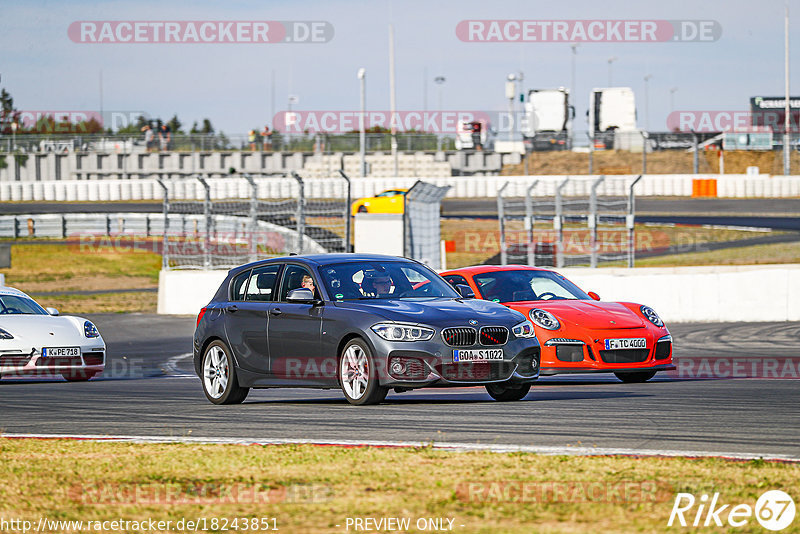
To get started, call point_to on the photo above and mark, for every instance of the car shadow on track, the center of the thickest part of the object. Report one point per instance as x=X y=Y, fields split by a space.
x=462 y=398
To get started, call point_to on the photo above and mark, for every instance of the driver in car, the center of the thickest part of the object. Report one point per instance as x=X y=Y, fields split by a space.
x=378 y=284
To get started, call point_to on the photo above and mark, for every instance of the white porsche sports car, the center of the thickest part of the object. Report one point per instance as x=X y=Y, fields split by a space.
x=35 y=341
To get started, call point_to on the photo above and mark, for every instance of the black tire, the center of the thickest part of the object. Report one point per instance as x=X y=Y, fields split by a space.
x=78 y=376
x=362 y=209
x=354 y=390
x=504 y=392
x=636 y=377
x=218 y=363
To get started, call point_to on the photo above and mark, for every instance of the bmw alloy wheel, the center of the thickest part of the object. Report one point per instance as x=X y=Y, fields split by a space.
x=358 y=375
x=219 y=376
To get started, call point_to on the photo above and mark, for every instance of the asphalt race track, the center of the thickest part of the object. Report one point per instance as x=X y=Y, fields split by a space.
x=154 y=394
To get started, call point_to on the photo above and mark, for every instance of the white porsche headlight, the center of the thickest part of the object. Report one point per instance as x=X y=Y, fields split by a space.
x=90 y=330
x=402 y=332
x=5 y=335
x=544 y=319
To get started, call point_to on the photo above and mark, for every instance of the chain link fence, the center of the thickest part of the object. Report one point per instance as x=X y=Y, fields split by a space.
x=276 y=219
x=563 y=231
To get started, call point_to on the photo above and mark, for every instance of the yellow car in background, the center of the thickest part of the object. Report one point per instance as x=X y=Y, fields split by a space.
x=389 y=201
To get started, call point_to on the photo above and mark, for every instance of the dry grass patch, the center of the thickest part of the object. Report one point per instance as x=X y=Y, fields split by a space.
x=313 y=489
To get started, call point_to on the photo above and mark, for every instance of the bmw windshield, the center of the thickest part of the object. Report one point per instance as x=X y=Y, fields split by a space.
x=387 y=280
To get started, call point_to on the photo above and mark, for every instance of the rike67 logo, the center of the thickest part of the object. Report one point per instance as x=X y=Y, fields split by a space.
x=774 y=510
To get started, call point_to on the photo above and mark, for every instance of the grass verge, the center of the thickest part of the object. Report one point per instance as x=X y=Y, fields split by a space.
x=313 y=489
x=56 y=267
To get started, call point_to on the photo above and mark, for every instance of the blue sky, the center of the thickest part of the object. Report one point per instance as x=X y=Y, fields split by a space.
x=232 y=83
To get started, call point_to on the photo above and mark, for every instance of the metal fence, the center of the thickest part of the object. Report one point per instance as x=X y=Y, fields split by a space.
x=210 y=234
x=226 y=233
x=422 y=223
x=563 y=231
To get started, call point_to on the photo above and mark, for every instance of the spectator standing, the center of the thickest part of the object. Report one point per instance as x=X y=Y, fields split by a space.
x=266 y=138
x=251 y=137
x=149 y=138
x=164 y=136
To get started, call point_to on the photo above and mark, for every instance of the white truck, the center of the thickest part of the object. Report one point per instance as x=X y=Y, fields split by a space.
x=548 y=119
x=612 y=111
x=474 y=135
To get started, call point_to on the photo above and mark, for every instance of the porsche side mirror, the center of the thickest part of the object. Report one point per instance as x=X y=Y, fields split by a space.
x=594 y=295
x=301 y=295
x=465 y=291
x=51 y=311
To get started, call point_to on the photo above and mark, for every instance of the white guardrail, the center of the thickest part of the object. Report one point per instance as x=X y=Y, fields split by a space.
x=739 y=186
x=679 y=294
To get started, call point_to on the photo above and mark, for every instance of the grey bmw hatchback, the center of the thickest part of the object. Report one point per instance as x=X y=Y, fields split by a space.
x=361 y=323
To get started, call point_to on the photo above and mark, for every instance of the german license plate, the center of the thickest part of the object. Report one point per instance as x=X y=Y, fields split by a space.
x=57 y=352
x=626 y=343
x=477 y=355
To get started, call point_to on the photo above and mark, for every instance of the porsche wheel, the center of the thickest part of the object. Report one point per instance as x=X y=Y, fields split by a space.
x=220 y=383
x=637 y=377
x=362 y=209
x=78 y=376
x=504 y=392
x=358 y=375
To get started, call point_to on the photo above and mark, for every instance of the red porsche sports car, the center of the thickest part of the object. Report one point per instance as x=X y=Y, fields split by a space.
x=578 y=333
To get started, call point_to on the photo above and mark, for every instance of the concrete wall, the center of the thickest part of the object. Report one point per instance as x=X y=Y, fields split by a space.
x=739 y=186
x=185 y=292
x=116 y=165
x=713 y=293
x=680 y=294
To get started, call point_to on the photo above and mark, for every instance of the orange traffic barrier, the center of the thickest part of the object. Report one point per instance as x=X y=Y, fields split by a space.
x=704 y=187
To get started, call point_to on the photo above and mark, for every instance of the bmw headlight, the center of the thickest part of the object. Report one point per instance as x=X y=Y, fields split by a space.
x=545 y=319
x=524 y=330
x=651 y=315
x=402 y=332
x=5 y=335
x=90 y=330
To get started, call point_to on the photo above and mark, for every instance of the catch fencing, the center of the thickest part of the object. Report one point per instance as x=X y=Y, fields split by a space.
x=563 y=231
x=272 y=216
x=226 y=233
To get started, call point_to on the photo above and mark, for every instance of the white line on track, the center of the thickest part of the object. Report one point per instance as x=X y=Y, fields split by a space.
x=455 y=447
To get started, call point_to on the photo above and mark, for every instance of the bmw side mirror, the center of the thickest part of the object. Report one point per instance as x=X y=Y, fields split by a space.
x=302 y=295
x=465 y=291
x=51 y=311
x=594 y=295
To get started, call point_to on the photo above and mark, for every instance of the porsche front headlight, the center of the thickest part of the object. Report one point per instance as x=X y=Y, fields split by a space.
x=90 y=330
x=651 y=315
x=544 y=319
x=5 y=335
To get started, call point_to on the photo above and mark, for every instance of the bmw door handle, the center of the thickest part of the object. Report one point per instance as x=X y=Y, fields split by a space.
x=275 y=311
x=232 y=309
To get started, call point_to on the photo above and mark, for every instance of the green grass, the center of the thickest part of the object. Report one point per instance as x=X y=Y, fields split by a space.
x=313 y=489
x=56 y=267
